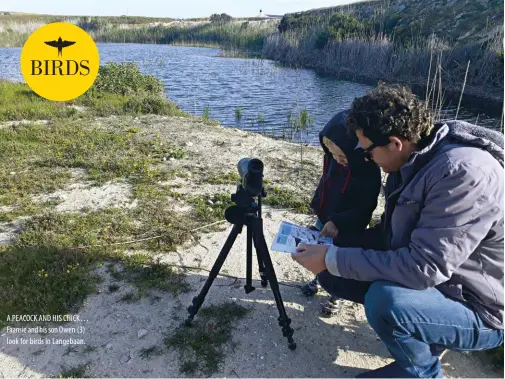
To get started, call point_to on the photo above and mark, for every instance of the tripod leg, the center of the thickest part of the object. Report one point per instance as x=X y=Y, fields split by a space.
x=248 y=286
x=264 y=255
x=198 y=300
x=261 y=266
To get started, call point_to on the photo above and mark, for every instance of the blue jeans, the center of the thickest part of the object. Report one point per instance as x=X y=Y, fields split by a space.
x=416 y=325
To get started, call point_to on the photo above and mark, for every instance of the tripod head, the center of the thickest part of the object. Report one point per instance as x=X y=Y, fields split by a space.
x=251 y=186
x=245 y=204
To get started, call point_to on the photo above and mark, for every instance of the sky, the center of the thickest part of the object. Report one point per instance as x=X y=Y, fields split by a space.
x=165 y=8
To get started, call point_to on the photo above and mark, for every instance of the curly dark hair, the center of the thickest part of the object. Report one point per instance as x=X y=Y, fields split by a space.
x=390 y=110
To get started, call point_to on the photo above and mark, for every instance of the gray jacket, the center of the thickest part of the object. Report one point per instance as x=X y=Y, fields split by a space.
x=443 y=222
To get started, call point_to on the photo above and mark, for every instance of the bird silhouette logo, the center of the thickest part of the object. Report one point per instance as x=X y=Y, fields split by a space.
x=59 y=61
x=59 y=44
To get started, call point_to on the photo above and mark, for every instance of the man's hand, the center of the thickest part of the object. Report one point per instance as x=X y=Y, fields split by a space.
x=311 y=257
x=329 y=230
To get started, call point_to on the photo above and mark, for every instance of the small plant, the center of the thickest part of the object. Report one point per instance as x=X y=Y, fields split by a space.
x=206 y=113
x=285 y=198
x=75 y=372
x=231 y=177
x=238 y=114
x=151 y=351
x=131 y=297
x=299 y=125
x=201 y=347
x=211 y=208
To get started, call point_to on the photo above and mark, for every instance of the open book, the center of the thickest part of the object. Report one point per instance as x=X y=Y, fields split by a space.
x=290 y=236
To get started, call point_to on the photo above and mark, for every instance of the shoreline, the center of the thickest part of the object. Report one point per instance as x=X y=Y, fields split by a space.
x=473 y=99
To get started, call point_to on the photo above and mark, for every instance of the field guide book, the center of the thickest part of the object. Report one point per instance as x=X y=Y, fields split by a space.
x=289 y=236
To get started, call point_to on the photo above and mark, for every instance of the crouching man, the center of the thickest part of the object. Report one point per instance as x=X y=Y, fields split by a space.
x=431 y=274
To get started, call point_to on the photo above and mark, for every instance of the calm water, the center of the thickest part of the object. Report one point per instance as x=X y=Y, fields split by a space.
x=197 y=78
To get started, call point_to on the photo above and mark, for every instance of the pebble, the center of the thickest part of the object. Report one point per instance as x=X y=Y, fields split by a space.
x=172 y=159
x=125 y=358
x=210 y=202
x=12 y=173
x=189 y=144
x=141 y=333
x=108 y=346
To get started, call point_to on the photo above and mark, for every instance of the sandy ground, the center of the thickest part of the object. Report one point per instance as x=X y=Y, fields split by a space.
x=116 y=332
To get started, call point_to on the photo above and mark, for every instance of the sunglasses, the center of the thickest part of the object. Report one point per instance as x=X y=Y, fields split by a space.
x=368 y=151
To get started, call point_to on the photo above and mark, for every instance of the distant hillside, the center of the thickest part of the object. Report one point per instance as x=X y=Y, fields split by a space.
x=406 y=41
x=456 y=21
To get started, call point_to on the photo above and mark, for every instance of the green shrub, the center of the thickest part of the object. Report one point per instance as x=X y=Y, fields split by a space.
x=220 y=18
x=343 y=24
x=125 y=79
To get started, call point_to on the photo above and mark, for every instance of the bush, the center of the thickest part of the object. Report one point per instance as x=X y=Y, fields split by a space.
x=220 y=18
x=125 y=79
x=342 y=25
x=297 y=21
x=150 y=105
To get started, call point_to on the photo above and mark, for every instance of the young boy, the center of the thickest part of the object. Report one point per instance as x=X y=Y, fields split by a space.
x=347 y=192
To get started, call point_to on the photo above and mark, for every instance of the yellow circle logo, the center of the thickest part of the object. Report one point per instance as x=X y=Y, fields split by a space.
x=60 y=61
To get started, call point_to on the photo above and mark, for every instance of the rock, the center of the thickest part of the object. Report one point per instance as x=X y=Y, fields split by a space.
x=172 y=159
x=210 y=202
x=108 y=346
x=125 y=358
x=189 y=144
x=141 y=333
x=218 y=203
x=12 y=173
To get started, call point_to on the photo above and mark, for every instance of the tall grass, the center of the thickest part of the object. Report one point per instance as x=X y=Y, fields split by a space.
x=14 y=31
x=248 y=35
x=377 y=57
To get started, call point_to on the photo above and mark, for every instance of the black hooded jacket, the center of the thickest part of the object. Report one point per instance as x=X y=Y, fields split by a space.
x=346 y=195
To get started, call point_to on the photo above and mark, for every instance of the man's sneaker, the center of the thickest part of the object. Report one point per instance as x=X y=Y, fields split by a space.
x=330 y=307
x=392 y=370
x=310 y=288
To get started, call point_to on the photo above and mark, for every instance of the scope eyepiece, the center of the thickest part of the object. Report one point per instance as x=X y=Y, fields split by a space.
x=251 y=175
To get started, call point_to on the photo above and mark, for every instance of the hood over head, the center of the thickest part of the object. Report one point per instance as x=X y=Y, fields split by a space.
x=336 y=131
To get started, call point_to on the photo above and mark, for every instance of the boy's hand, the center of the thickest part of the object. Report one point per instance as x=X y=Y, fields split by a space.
x=329 y=230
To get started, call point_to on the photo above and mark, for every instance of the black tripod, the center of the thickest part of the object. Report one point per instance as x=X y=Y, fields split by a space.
x=247 y=212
